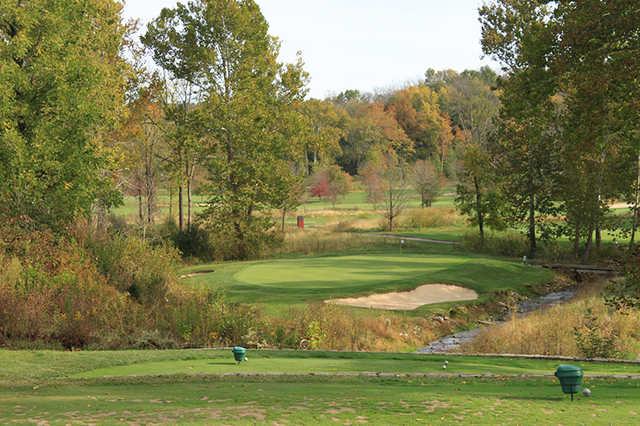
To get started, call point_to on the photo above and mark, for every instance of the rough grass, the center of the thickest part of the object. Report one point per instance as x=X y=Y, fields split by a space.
x=312 y=279
x=552 y=331
x=132 y=395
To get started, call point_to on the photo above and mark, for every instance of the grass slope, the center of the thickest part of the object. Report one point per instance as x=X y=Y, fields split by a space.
x=134 y=394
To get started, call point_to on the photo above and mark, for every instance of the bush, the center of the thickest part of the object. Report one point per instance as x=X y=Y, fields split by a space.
x=508 y=244
x=432 y=217
x=596 y=338
x=109 y=292
x=133 y=265
x=193 y=242
x=625 y=295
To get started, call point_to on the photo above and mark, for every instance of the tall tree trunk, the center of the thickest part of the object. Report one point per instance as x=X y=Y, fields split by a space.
x=634 y=228
x=140 y=208
x=479 y=212
x=533 y=243
x=598 y=237
x=284 y=218
x=170 y=201
x=242 y=248
x=588 y=244
x=190 y=169
x=576 y=241
x=390 y=213
x=188 y=202
x=180 y=208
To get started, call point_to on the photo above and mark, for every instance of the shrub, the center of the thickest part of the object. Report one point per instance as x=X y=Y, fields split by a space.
x=596 y=338
x=508 y=244
x=79 y=295
x=624 y=295
x=331 y=182
x=193 y=242
x=133 y=265
x=432 y=217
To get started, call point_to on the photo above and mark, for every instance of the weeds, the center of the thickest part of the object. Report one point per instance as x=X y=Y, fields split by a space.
x=583 y=328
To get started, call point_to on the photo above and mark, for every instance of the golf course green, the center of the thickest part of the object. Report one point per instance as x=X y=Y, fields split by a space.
x=319 y=278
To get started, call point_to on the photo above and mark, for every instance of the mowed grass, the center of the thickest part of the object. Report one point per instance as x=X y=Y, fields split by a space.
x=322 y=401
x=180 y=387
x=312 y=279
x=29 y=367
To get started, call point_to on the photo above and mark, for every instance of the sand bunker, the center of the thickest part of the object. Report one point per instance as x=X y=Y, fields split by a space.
x=410 y=300
x=195 y=274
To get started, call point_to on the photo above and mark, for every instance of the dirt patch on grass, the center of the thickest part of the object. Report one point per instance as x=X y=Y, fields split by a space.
x=410 y=300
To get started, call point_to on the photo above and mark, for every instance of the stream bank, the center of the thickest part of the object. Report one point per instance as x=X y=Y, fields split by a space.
x=452 y=342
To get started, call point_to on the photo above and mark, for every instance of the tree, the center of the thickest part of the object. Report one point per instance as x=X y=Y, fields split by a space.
x=371 y=126
x=331 y=182
x=474 y=107
x=61 y=93
x=417 y=110
x=477 y=195
x=322 y=143
x=173 y=49
x=372 y=178
x=143 y=145
x=247 y=112
x=426 y=181
x=392 y=177
x=520 y=34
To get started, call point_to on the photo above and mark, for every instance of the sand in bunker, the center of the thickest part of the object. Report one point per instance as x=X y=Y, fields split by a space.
x=410 y=300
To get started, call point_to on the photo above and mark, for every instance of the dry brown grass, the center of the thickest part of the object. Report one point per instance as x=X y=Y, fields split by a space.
x=331 y=327
x=552 y=331
x=319 y=241
x=431 y=217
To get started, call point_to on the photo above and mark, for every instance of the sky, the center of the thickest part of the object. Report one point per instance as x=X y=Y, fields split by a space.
x=367 y=45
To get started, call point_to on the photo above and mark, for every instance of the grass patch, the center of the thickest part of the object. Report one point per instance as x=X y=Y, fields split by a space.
x=312 y=279
x=28 y=367
x=323 y=401
x=185 y=398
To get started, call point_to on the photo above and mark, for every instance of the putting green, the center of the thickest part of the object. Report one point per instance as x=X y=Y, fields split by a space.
x=321 y=278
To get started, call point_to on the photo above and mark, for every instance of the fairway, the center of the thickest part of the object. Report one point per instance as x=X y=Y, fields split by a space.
x=312 y=279
x=185 y=387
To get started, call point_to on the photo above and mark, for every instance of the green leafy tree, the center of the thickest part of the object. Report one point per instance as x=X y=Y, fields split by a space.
x=61 y=93
x=325 y=123
x=247 y=109
x=477 y=195
x=595 y=68
x=520 y=35
x=474 y=106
